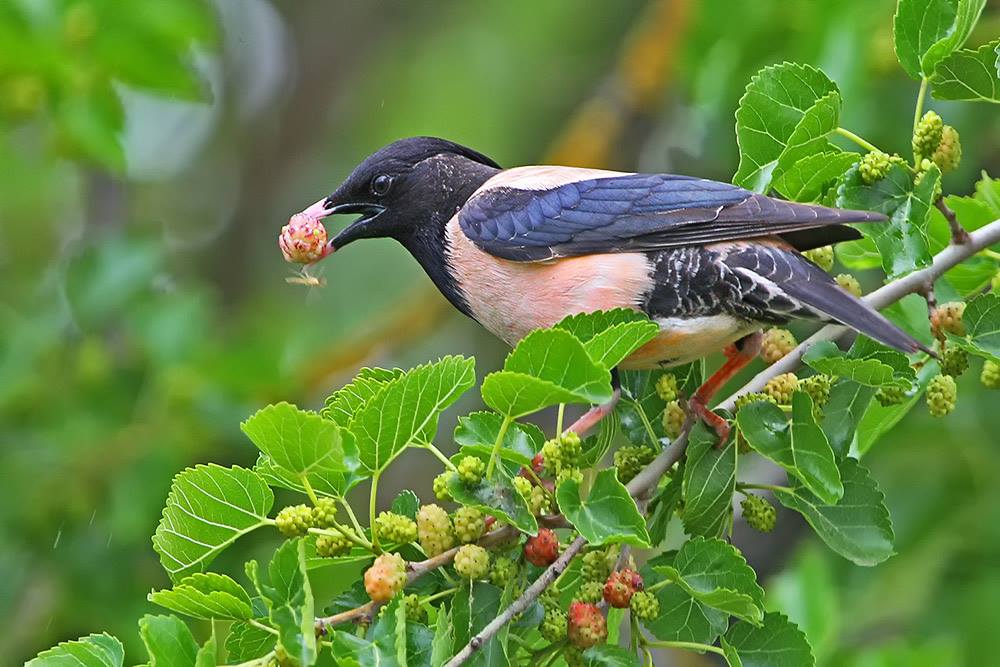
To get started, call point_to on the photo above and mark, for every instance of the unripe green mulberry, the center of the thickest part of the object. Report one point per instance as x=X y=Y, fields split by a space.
x=645 y=606
x=873 y=167
x=523 y=486
x=777 y=343
x=673 y=419
x=753 y=397
x=990 y=375
x=927 y=135
x=818 y=387
x=922 y=170
x=954 y=361
x=821 y=257
x=630 y=460
x=471 y=469
x=469 y=524
x=434 y=530
x=782 y=387
x=947 y=318
x=949 y=151
x=562 y=452
x=553 y=627
x=441 y=491
x=891 y=395
x=392 y=527
x=594 y=566
x=331 y=546
x=472 y=562
x=503 y=571
x=324 y=514
x=849 y=284
x=415 y=612
x=590 y=591
x=566 y=473
x=759 y=514
x=294 y=520
x=666 y=387
x=538 y=501
x=942 y=392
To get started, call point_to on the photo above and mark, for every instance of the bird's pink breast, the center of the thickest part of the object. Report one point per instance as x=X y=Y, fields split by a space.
x=511 y=299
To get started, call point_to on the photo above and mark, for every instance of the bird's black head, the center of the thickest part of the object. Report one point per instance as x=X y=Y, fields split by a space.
x=406 y=188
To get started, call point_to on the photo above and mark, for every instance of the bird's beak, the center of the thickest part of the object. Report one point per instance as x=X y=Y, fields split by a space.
x=363 y=227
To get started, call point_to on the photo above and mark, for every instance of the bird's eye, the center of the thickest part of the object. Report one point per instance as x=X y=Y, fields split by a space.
x=380 y=184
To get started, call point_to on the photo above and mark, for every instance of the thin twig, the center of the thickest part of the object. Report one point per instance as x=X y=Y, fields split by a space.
x=959 y=236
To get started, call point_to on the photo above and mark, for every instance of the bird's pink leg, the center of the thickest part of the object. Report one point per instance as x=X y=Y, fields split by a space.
x=738 y=356
x=593 y=416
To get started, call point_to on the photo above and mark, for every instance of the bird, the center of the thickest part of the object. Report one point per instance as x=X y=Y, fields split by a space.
x=522 y=248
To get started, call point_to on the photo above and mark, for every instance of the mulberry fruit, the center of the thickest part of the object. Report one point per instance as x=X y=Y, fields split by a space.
x=849 y=284
x=303 y=240
x=782 y=387
x=673 y=419
x=441 y=482
x=759 y=514
x=645 y=606
x=469 y=524
x=990 y=375
x=386 y=577
x=586 y=625
x=542 y=549
x=777 y=343
x=472 y=562
x=396 y=528
x=324 y=514
x=954 y=361
x=947 y=318
x=821 y=257
x=471 y=469
x=294 y=520
x=666 y=387
x=942 y=393
x=927 y=135
x=434 y=530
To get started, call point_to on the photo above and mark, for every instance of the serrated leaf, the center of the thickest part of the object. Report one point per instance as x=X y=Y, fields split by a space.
x=443 y=637
x=289 y=600
x=406 y=409
x=800 y=447
x=982 y=327
x=342 y=404
x=926 y=31
x=98 y=650
x=168 y=641
x=207 y=652
x=334 y=484
x=787 y=110
x=520 y=394
x=969 y=75
x=419 y=644
x=714 y=573
x=610 y=336
x=776 y=643
x=682 y=618
x=209 y=507
x=495 y=496
x=662 y=507
x=206 y=595
x=406 y=503
x=383 y=646
x=808 y=179
x=606 y=655
x=246 y=642
x=886 y=368
x=473 y=606
x=608 y=515
x=709 y=483
x=858 y=526
x=478 y=432
x=301 y=442
x=903 y=241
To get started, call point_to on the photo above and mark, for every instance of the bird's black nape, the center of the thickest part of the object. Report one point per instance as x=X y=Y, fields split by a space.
x=414 y=150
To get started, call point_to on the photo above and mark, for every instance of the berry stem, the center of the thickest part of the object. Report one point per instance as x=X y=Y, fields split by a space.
x=494 y=454
x=559 y=419
x=662 y=583
x=439 y=595
x=340 y=531
x=350 y=514
x=689 y=646
x=918 y=110
x=372 y=497
x=440 y=455
x=309 y=490
x=847 y=134
x=763 y=487
x=992 y=254
x=260 y=626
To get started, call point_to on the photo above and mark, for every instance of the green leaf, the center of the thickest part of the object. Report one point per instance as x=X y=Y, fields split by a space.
x=168 y=641
x=982 y=326
x=206 y=595
x=443 y=637
x=809 y=178
x=207 y=652
x=883 y=368
x=345 y=402
x=662 y=508
x=384 y=645
x=682 y=618
x=91 y=651
x=777 y=643
x=209 y=507
x=289 y=600
x=473 y=606
x=479 y=430
x=608 y=515
x=801 y=448
x=548 y=366
x=926 y=31
x=784 y=116
x=714 y=573
x=969 y=75
x=610 y=336
x=302 y=443
x=709 y=483
x=605 y=655
x=406 y=503
x=495 y=496
x=406 y=409
x=858 y=526
x=843 y=411
x=324 y=483
x=902 y=241
x=860 y=254
x=246 y=642
x=878 y=419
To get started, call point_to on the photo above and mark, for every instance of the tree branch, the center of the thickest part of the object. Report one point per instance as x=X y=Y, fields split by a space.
x=650 y=476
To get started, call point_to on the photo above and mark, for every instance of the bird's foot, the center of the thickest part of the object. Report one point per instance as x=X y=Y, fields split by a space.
x=715 y=422
x=738 y=356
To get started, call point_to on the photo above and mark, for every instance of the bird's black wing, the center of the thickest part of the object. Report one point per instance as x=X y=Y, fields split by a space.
x=640 y=212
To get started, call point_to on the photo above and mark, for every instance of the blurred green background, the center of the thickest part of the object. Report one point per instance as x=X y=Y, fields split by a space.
x=150 y=151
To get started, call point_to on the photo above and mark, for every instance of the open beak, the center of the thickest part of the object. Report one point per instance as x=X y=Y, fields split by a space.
x=362 y=227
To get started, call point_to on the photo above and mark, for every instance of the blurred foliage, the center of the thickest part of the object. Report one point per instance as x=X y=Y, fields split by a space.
x=150 y=151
